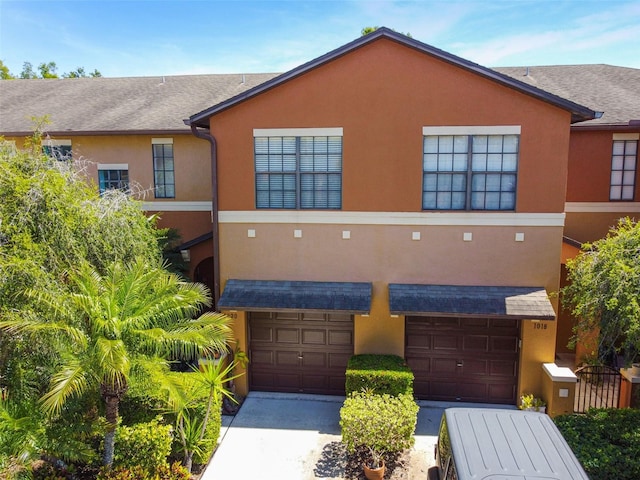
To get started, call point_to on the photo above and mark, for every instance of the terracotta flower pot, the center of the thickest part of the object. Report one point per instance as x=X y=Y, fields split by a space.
x=374 y=473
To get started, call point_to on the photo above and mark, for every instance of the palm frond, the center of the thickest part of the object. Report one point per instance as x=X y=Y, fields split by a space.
x=70 y=381
x=112 y=357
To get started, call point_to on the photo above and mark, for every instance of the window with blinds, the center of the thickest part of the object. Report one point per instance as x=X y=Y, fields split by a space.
x=623 y=169
x=163 y=169
x=298 y=172
x=470 y=172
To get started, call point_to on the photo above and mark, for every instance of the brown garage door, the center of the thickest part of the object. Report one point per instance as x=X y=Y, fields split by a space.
x=463 y=359
x=299 y=352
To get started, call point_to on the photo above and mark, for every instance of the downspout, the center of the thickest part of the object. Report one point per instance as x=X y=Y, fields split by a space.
x=206 y=135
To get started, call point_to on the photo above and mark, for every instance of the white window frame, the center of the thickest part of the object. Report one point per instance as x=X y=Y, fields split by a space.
x=300 y=188
x=624 y=167
x=462 y=194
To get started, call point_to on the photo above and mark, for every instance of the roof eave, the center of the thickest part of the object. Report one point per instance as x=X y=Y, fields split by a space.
x=579 y=113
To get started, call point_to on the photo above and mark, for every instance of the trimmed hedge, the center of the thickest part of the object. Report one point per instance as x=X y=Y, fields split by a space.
x=143 y=445
x=383 y=423
x=605 y=440
x=379 y=374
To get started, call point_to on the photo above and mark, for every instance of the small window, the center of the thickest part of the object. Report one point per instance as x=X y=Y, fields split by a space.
x=57 y=149
x=470 y=172
x=298 y=172
x=624 y=161
x=163 y=168
x=116 y=179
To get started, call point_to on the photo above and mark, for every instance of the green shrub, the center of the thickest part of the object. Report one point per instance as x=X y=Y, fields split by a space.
x=382 y=423
x=145 y=445
x=606 y=441
x=379 y=374
x=165 y=472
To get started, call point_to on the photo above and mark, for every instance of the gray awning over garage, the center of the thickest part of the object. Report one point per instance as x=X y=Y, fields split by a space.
x=265 y=295
x=454 y=300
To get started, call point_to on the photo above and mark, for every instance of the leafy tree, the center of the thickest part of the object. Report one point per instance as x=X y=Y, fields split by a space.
x=115 y=328
x=604 y=291
x=45 y=70
x=48 y=70
x=4 y=72
x=368 y=30
x=27 y=71
x=80 y=73
x=208 y=383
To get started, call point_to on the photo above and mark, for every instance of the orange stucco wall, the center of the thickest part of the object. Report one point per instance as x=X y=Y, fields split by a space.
x=590 y=166
x=382 y=95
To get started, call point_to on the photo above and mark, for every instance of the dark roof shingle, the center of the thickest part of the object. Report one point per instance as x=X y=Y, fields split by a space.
x=488 y=301
x=108 y=105
x=265 y=295
x=605 y=88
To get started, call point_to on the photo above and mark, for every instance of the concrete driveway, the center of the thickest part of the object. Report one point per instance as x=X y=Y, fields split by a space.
x=297 y=437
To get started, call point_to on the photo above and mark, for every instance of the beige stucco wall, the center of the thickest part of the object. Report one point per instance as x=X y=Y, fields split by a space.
x=384 y=254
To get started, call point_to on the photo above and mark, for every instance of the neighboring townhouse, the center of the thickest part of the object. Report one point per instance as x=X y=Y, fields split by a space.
x=130 y=132
x=604 y=179
x=386 y=197
x=389 y=197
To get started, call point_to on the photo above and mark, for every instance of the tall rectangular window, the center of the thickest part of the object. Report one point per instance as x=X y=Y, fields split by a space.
x=163 y=168
x=298 y=172
x=113 y=177
x=624 y=160
x=470 y=172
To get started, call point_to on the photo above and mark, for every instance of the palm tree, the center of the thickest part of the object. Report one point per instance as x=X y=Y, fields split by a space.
x=115 y=328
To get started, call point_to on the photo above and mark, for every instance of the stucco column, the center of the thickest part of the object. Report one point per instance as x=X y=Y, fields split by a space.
x=559 y=389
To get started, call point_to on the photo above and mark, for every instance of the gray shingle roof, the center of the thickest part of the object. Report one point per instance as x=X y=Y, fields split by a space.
x=578 y=112
x=605 y=88
x=132 y=104
x=265 y=295
x=512 y=302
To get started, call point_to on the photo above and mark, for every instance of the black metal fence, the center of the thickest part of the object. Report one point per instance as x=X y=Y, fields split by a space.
x=597 y=387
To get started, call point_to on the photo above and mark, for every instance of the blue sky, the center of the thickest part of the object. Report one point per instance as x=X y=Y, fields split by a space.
x=140 y=38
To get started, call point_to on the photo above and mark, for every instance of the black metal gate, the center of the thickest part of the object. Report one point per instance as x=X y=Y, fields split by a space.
x=598 y=387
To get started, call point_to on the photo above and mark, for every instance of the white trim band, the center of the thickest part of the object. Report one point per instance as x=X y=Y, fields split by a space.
x=298 y=132
x=162 y=141
x=626 y=136
x=113 y=166
x=602 y=207
x=393 y=218
x=473 y=130
x=177 y=206
x=49 y=142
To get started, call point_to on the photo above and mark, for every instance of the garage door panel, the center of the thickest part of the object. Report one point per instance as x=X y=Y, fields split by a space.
x=444 y=366
x=503 y=392
x=503 y=368
x=475 y=367
x=299 y=352
x=285 y=358
x=314 y=359
x=262 y=357
x=504 y=344
x=467 y=359
x=475 y=343
x=287 y=335
x=341 y=338
x=262 y=334
x=338 y=360
x=445 y=342
x=314 y=337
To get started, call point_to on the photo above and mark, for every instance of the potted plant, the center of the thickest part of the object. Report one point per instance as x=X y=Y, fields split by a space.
x=374 y=466
x=532 y=403
x=380 y=425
